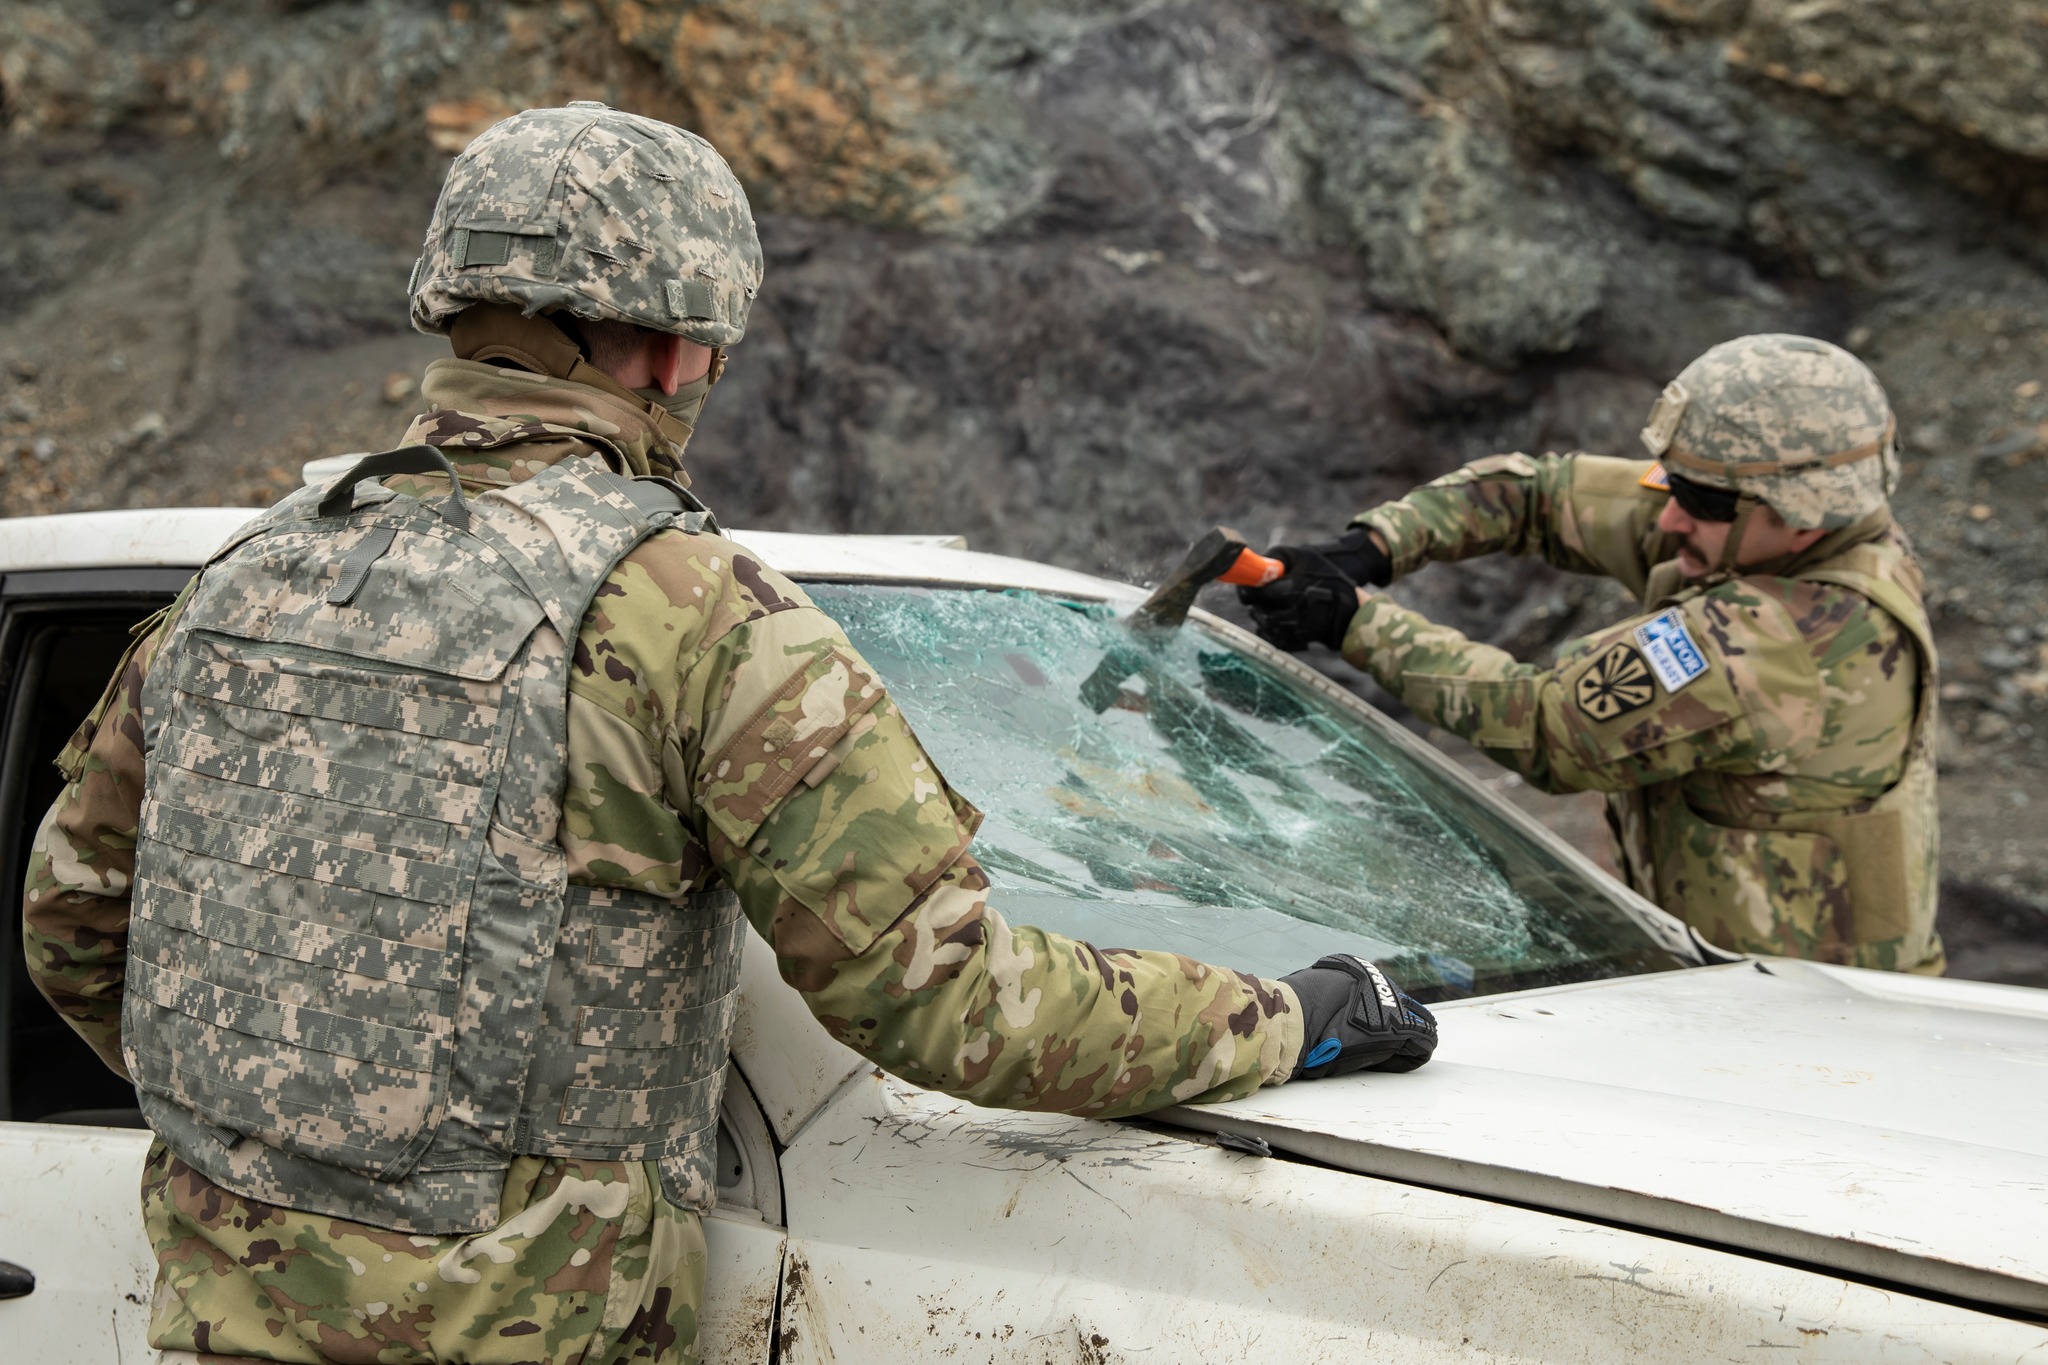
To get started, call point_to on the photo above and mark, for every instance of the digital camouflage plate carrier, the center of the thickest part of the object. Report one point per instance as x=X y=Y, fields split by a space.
x=359 y=982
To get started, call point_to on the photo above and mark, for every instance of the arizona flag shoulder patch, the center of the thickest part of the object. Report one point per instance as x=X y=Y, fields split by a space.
x=1616 y=684
x=1655 y=478
x=1673 y=655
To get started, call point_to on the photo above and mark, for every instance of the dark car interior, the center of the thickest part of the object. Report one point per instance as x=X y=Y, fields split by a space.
x=61 y=634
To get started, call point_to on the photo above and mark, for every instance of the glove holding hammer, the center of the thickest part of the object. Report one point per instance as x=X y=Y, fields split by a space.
x=1319 y=589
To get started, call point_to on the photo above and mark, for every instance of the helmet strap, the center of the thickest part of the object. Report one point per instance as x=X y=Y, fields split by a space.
x=1730 y=563
x=494 y=331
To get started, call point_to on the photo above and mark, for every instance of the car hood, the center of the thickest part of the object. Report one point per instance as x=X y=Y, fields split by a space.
x=1878 y=1125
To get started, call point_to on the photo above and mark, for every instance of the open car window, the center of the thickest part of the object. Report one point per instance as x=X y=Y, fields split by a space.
x=1178 y=792
x=61 y=634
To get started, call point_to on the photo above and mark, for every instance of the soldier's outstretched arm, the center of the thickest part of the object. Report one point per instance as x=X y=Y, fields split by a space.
x=1581 y=513
x=74 y=914
x=1709 y=684
x=855 y=868
x=849 y=854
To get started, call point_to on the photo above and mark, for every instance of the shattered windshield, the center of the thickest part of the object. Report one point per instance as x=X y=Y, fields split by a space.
x=1170 y=791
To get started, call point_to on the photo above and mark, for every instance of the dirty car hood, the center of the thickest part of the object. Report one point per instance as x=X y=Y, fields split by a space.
x=1878 y=1125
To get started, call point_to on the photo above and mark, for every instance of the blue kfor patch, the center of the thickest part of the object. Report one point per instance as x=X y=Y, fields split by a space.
x=1669 y=647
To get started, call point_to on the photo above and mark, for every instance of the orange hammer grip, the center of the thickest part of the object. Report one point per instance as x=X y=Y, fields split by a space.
x=1252 y=570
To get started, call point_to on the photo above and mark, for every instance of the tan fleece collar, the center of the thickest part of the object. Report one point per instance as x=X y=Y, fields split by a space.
x=542 y=406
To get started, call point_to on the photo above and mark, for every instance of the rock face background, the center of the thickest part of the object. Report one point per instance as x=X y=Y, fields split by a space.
x=1077 y=278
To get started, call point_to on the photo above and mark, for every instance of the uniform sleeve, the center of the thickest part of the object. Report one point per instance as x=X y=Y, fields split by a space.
x=74 y=916
x=1581 y=513
x=849 y=854
x=1725 y=681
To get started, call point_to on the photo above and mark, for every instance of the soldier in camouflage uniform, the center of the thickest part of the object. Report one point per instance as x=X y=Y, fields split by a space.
x=403 y=863
x=1764 y=729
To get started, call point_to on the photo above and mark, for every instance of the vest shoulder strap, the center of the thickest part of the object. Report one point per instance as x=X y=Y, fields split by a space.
x=1880 y=571
x=655 y=495
x=301 y=504
x=563 y=530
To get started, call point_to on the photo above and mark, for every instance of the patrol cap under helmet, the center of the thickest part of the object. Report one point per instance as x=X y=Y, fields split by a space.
x=1799 y=424
x=594 y=212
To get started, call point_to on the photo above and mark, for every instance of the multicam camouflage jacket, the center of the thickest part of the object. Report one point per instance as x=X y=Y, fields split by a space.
x=691 y=665
x=1765 y=740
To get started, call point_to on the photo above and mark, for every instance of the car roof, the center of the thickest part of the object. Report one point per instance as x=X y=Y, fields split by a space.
x=179 y=537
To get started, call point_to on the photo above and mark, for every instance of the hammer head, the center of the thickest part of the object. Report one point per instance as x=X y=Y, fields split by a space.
x=1206 y=560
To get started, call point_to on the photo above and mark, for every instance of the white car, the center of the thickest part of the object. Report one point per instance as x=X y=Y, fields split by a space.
x=1628 y=1148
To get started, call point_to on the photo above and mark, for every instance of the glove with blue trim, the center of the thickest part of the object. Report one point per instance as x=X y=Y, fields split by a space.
x=1354 y=1018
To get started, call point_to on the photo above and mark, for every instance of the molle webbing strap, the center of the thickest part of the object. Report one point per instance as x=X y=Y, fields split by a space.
x=355 y=569
x=654 y=497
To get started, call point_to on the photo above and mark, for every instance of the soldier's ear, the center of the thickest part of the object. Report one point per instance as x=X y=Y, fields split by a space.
x=665 y=359
x=676 y=361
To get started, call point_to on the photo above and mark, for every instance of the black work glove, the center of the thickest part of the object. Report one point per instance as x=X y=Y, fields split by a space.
x=1357 y=557
x=1313 y=601
x=1354 y=1018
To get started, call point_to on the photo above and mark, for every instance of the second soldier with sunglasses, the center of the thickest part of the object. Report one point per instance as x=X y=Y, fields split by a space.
x=1764 y=729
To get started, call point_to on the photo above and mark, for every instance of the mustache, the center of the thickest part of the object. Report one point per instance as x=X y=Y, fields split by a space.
x=1690 y=545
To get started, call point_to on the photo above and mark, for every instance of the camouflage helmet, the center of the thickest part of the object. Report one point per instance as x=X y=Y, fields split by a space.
x=595 y=212
x=1801 y=425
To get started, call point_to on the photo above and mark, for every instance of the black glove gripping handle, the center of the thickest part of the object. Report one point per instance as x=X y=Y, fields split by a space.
x=341 y=494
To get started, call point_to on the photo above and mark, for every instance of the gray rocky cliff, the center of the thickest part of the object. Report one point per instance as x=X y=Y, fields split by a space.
x=1079 y=279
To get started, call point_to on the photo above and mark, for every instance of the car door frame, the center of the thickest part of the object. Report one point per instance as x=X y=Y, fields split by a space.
x=26 y=596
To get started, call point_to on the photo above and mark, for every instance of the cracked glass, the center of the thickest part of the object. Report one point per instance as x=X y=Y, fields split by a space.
x=1170 y=790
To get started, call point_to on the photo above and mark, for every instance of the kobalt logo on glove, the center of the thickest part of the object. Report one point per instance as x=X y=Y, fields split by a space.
x=1354 y=1018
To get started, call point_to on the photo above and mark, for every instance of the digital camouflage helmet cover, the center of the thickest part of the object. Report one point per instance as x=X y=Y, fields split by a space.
x=1798 y=424
x=594 y=212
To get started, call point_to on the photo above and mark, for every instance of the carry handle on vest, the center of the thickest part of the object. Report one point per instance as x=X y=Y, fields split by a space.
x=340 y=495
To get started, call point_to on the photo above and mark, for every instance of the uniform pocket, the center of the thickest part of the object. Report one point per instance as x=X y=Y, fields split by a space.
x=858 y=849
x=798 y=728
x=1615 y=704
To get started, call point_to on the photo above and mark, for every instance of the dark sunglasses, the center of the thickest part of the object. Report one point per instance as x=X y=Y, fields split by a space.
x=1700 y=502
